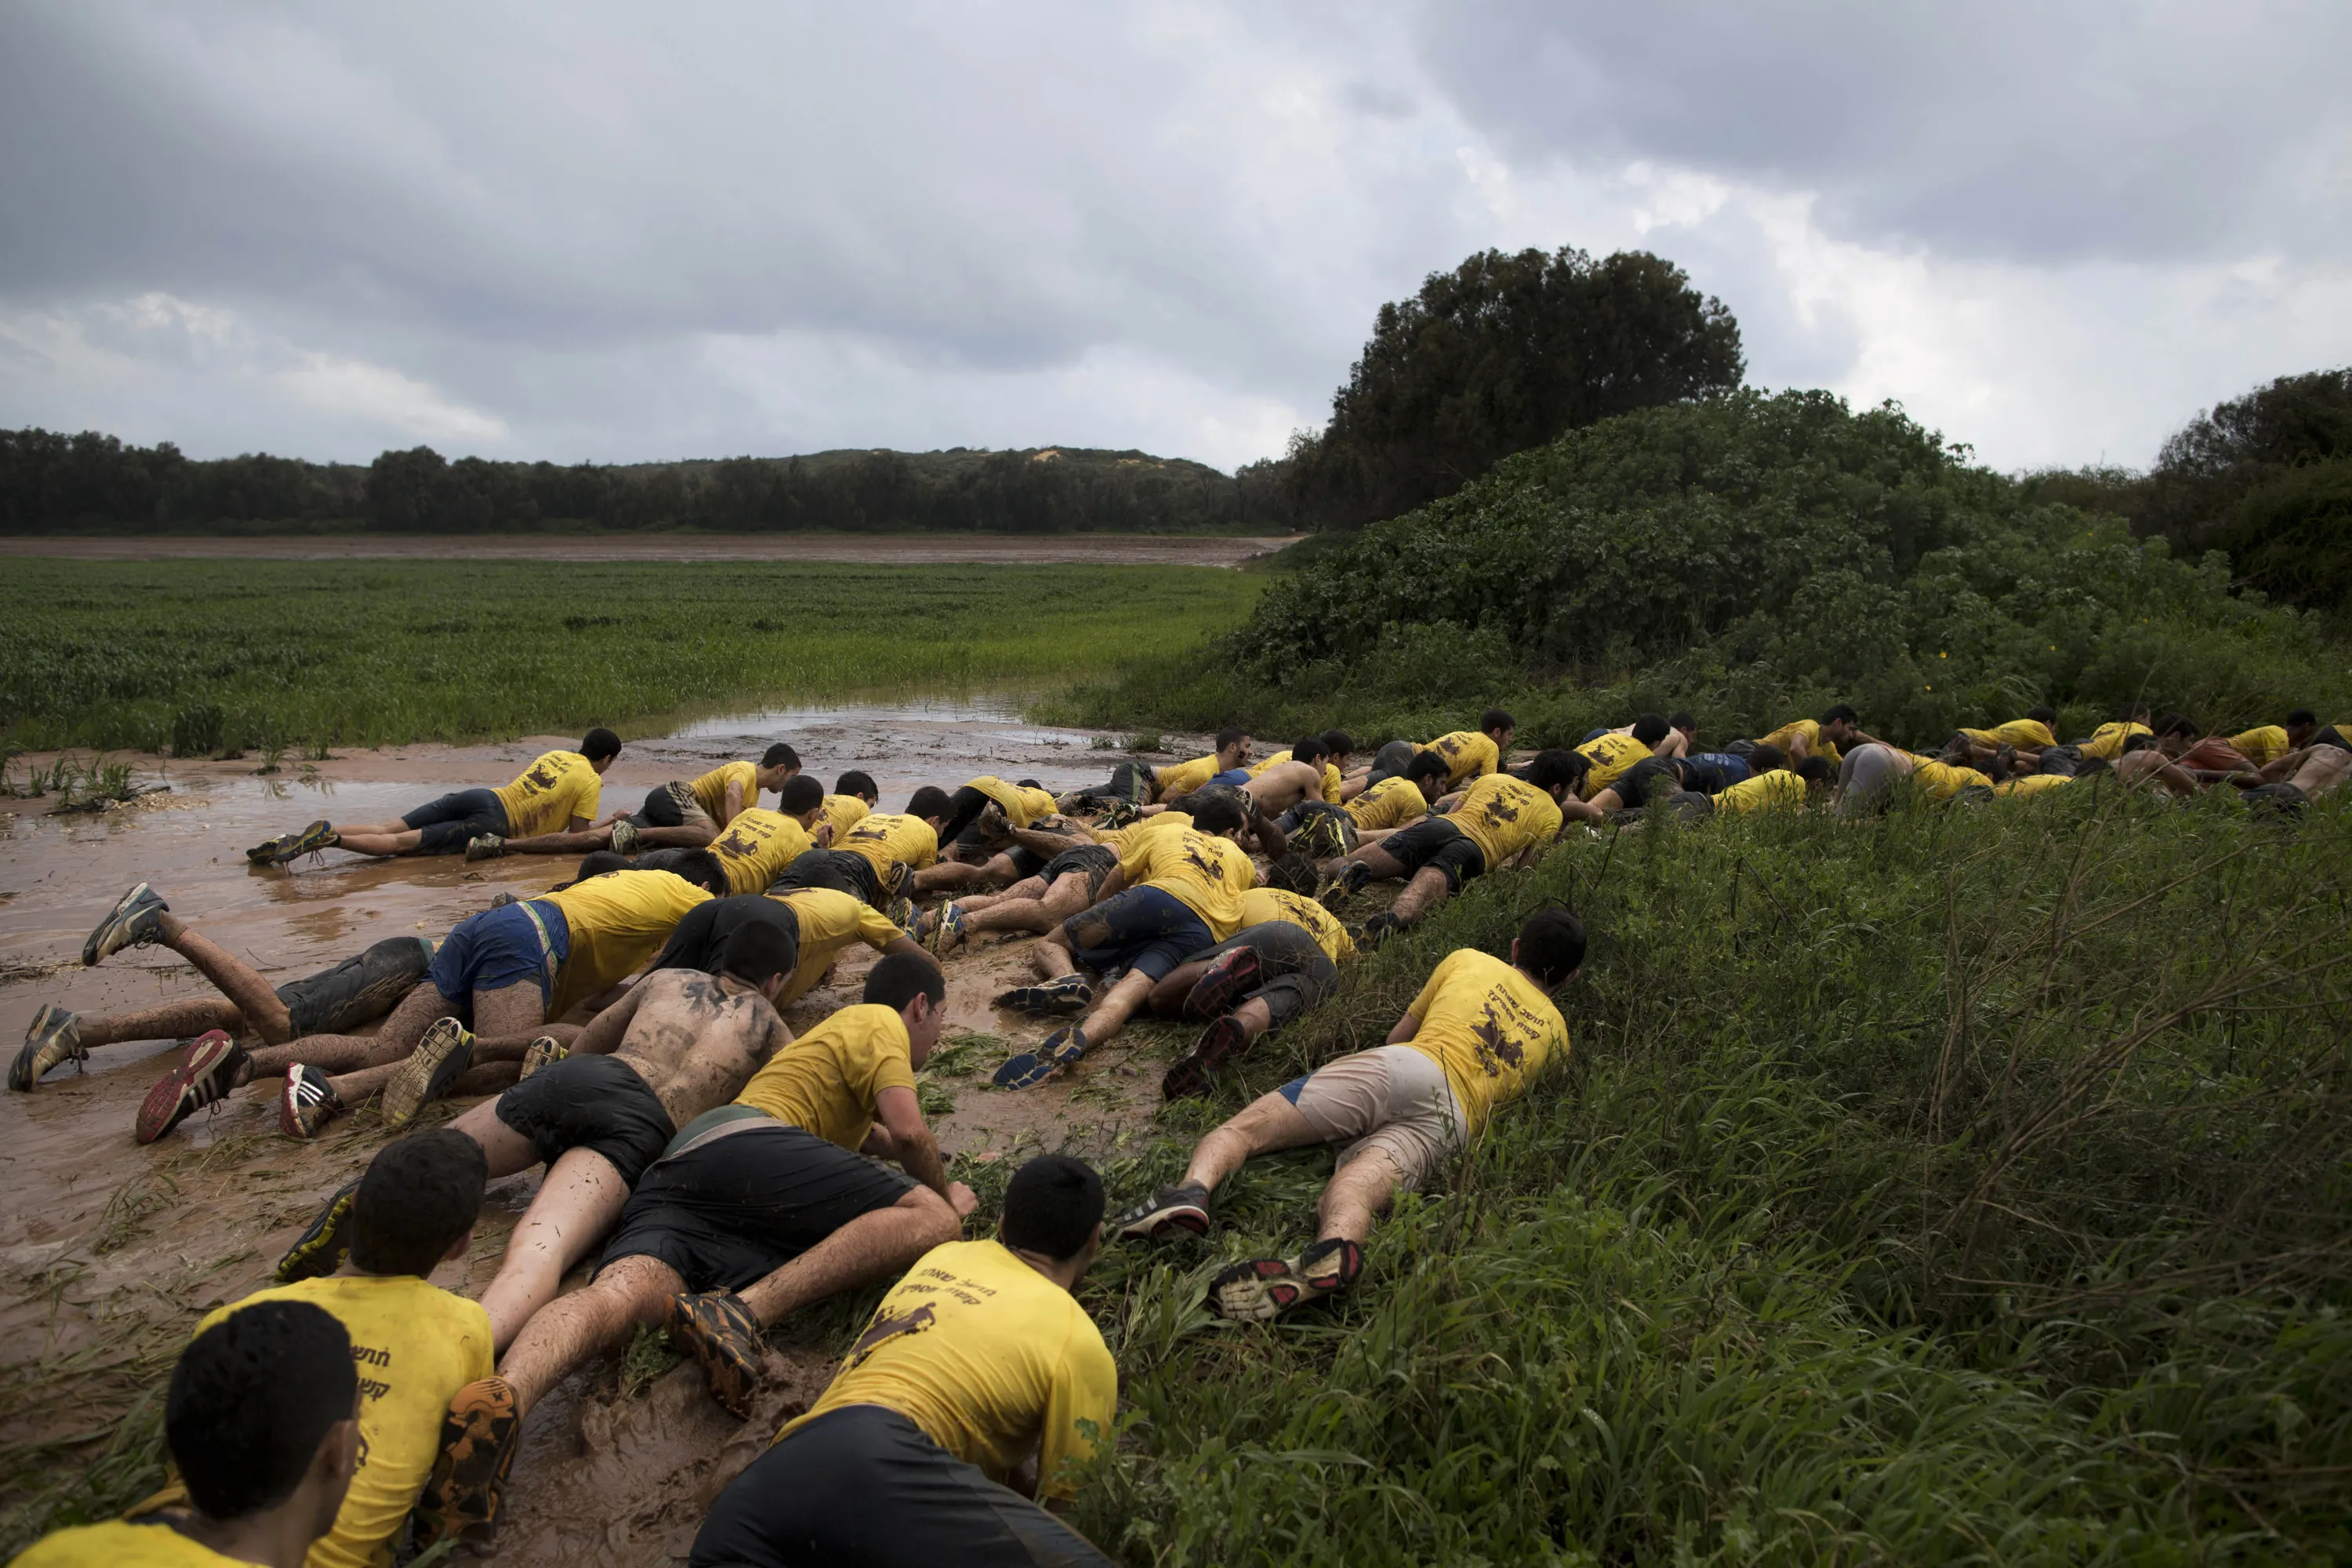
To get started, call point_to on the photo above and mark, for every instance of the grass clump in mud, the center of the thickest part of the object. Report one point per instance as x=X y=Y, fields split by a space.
x=1969 y=1185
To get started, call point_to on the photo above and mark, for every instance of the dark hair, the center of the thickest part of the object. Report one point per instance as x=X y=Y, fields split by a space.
x=1556 y=768
x=930 y=801
x=1338 y=743
x=900 y=977
x=419 y=1196
x=758 y=950
x=1838 y=712
x=779 y=752
x=1551 y=946
x=2176 y=724
x=859 y=782
x=1052 y=1205
x=2138 y=743
x=1495 y=718
x=1310 y=750
x=2302 y=716
x=2042 y=715
x=1216 y=811
x=1230 y=737
x=600 y=743
x=1294 y=873
x=596 y=862
x=799 y=794
x=1427 y=765
x=2132 y=713
x=251 y=1399
x=1814 y=769
x=1026 y=783
x=1650 y=729
x=1765 y=759
x=702 y=868
x=1681 y=719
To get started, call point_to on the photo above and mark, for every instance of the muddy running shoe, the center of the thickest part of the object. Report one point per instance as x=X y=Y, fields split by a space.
x=287 y=846
x=1070 y=994
x=947 y=932
x=1029 y=1068
x=480 y=1436
x=307 y=1103
x=318 y=1250
x=132 y=922
x=1348 y=881
x=1184 y=1206
x=1119 y=813
x=719 y=1331
x=52 y=1039
x=624 y=837
x=900 y=912
x=995 y=829
x=207 y=1069
x=446 y=1051
x=1221 y=989
x=1265 y=1287
x=896 y=878
x=486 y=847
x=542 y=1052
x=1191 y=1073
x=500 y=900
x=1376 y=931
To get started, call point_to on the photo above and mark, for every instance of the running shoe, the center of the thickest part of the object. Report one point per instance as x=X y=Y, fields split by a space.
x=542 y=1052
x=1070 y=994
x=995 y=830
x=52 y=1039
x=899 y=912
x=1029 y=1068
x=480 y=1436
x=1191 y=1073
x=624 y=837
x=719 y=1331
x=132 y=922
x=500 y=900
x=307 y=1103
x=287 y=846
x=485 y=846
x=1265 y=1287
x=1349 y=880
x=1184 y=1206
x=947 y=932
x=446 y=1051
x=896 y=878
x=207 y=1070
x=1376 y=931
x=1219 y=990
x=318 y=1250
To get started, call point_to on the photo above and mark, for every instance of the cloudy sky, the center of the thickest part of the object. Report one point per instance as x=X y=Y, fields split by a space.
x=618 y=232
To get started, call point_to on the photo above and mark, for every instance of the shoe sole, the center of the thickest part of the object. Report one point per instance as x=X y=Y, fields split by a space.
x=1030 y=1068
x=290 y=1113
x=45 y=1035
x=1190 y=1074
x=311 y=840
x=438 y=1061
x=535 y=1060
x=1225 y=984
x=162 y=1110
x=1046 y=1000
x=1271 y=1301
x=1191 y=1219
x=94 y=948
x=733 y=1381
x=320 y=1249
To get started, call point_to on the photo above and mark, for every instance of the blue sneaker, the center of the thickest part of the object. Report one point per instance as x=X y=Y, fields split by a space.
x=1030 y=1068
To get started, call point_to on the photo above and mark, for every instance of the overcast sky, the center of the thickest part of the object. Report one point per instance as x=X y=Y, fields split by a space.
x=620 y=232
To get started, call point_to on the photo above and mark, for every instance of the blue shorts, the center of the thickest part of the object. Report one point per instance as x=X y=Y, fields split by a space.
x=1232 y=778
x=500 y=948
x=1142 y=929
x=449 y=821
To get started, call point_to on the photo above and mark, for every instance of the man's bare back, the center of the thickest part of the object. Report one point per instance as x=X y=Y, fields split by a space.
x=1284 y=786
x=695 y=1038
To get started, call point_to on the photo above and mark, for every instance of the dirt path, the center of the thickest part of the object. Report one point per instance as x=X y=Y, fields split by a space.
x=951 y=549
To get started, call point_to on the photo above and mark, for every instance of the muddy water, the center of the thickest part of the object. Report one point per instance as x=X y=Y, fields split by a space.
x=108 y=1251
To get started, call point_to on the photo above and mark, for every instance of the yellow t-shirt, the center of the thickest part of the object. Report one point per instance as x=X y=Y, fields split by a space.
x=546 y=795
x=829 y=922
x=1022 y=807
x=710 y=789
x=1489 y=1026
x=991 y=1359
x=414 y=1344
x=1392 y=803
x=2261 y=745
x=2108 y=740
x=617 y=922
x=1468 y=753
x=845 y=812
x=2030 y=734
x=826 y=1081
x=757 y=847
x=1119 y=838
x=1612 y=756
x=1207 y=874
x=1942 y=781
x=2032 y=783
x=1262 y=905
x=119 y=1543
x=1332 y=780
x=1183 y=778
x=1503 y=816
x=890 y=837
x=1811 y=728
x=1778 y=788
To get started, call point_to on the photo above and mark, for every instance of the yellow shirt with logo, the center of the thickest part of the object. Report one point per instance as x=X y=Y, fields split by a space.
x=617 y=922
x=2028 y=734
x=1811 y=728
x=829 y=921
x=1942 y=781
x=1612 y=756
x=1205 y=873
x=1022 y=807
x=1503 y=816
x=883 y=838
x=826 y=1081
x=2261 y=745
x=710 y=789
x=757 y=847
x=1118 y=839
x=991 y=1359
x=845 y=812
x=1778 y=788
x=1183 y=778
x=414 y=1345
x=2108 y=740
x=546 y=795
x=2032 y=783
x=1264 y=906
x=1489 y=1026
x=1468 y=753
x=119 y=1543
x=1392 y=803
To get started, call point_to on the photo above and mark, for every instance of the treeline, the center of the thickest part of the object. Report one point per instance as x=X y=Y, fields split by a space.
x=52 y=483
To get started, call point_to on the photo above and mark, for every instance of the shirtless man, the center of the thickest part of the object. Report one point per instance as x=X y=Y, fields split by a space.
x=1285 y=785
x=2314 y=771
x=683 y=814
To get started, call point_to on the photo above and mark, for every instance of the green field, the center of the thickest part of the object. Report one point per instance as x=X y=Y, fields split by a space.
x=199 y=656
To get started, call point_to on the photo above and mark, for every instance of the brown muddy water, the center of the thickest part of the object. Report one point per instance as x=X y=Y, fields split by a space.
x=109 y=1252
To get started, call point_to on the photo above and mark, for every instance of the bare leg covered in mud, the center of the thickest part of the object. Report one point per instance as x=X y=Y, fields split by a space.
x=247 y=1000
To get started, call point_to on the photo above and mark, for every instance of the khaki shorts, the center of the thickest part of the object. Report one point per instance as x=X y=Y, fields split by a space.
x=1391 y=1100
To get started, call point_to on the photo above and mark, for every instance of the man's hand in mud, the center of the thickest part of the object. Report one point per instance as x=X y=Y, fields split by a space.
x=964 y=1199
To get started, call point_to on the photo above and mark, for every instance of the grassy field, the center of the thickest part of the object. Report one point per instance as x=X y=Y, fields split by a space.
x=192 y=656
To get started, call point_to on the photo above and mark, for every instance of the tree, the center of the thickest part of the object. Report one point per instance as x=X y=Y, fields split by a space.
x=1503 y=353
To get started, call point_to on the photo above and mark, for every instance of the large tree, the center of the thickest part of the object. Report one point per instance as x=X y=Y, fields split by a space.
x=1503 y=353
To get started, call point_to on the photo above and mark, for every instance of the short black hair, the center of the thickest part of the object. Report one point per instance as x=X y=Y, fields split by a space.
x=1026 y=783
x=1495 y=718
x=1052 y=1205
x=1230 y=737
x=783 y=755
x=2300 y=717
x=1766 y=758
x=857 y=782
x=1307 y=750
x=2042 y=715
x=930 y=801
x=1556 y=768
x=758 y=950
x=1650 y=729
x=2176 y=724
x=1551 y=946
x=900 y=977
x=1294 y=873
x=1682 y=719
x=600 y=743
x=702 y=868
x=1841 y=712
x=1216 y=811
x=1814 y=769
x=419 y=1196
x=799 y=794
x=2138 y=743
x=1428 y=765
x=2132 y=713
x=1338 y=743
x=596 y=862
x=251 y=1399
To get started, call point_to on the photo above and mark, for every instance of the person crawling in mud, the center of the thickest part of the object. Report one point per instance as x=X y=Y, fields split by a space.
x=855 y=794
x=1325 y=832
x=1828 y=737
x=1015 y=805
x=1336 y=746
x=1501 y=821
x=559 y=792
x=752 y=1210
x=976 y=1393
x=1133 y=784
x=498 y=981
x=598 y=1113
x=336 y=1000
x=1281 y=785
x=1001 y=847
x=878 y=859
x=818 y=921
x=2025 y=739
x=1469 y=754
x=1475 y=1039
x=1070 y=880
x=683 y=814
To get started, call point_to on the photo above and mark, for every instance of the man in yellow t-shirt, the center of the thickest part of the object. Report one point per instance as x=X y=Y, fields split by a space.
x=559 y=790
x=1324 y=832
x=1071 y=870
x=2026 y=738
x=1778 y=789
x=259 y=1421
x=999 y=833
x=1475 y=1039
x=1229 y=754
x=682 y=814
x=821 y=921
x=1501 y=820
x=2106 y=742
x=878 y=858
x=855 y=794
x=1613 y=753
x=1469 y=754
x=766 y=1205
x=979 y=1385
x=760 y=844
x=1829 y=737
x=1869 y=776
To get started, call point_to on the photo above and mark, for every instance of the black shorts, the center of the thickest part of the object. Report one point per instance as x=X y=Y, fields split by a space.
x=1390 y=762
x=700 y=941
x=1096 y=860
x=665 y=805
x=449 y=821
x=2330 y=736
x=839 y=869
x=1651 y=775
x=1321 y=831
x=1147 y=930
x=1437 y=844
x=358 y=990
x=590 y=1102
x=863 y=1484
x=730 y=1212
x=2281 y=799
x=1294 y=971
x=2063 y=761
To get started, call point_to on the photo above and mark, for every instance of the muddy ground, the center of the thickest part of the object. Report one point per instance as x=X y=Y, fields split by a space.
x=109 y=1252
x=956 y=550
